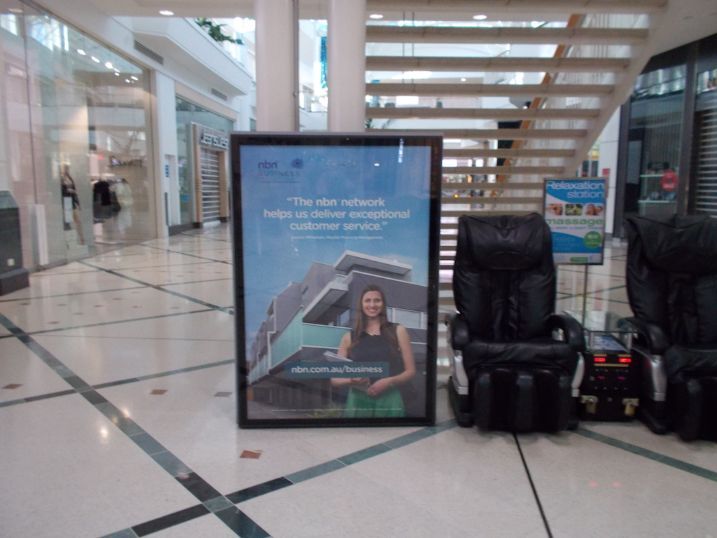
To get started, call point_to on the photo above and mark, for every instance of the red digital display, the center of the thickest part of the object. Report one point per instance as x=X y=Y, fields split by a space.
x=599 y=359
x=624 y=360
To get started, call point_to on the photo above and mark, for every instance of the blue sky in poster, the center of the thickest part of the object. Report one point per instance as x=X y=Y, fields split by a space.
x=305 y=204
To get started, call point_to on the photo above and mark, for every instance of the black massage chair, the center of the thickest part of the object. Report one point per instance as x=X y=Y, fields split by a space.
x=672 y=289
x=516 y=365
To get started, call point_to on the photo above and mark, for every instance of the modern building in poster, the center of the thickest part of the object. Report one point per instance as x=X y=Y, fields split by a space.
x=309 y=317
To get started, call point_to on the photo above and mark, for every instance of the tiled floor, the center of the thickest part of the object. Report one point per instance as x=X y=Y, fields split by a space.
x=117 y=417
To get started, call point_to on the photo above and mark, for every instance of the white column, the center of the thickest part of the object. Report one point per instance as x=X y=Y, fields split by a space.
x=276 y=65
x=164 y=126
x=347 y=65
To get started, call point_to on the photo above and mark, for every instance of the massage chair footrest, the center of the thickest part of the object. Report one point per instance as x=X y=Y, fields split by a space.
x=692 y=406
x=522 y=400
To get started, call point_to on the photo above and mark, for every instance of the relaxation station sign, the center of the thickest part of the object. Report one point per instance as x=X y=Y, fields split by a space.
x=575 y=211
x=336 y=278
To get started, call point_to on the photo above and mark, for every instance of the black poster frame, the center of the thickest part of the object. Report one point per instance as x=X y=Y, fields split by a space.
x=431 y=141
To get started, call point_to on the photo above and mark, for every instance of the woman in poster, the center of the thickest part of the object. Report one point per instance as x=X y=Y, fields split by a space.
x=375 y=339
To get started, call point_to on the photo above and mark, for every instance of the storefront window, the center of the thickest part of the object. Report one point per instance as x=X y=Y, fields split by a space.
x=705 y=140
x=85 y=112
x=188 y=113
x=653 y=167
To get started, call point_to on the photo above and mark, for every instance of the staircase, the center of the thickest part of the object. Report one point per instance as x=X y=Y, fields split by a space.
x=520 y=95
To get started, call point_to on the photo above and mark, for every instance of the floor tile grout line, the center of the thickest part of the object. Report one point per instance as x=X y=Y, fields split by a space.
x=194 y=282
x=532 y=486
x=139 y=268
x=187 y=478
x=188 y=254
x=60 y=295
x=590 y=294
x=103 y=323
x=341 y=462
x=166 y=373
x=591 y=297
x=595 y=274
x=675 y=463
x=205 y=237
x=159 y=288
x=613 y=288
x=321 y=469
x=37 y=398
x=125 y=381
x=154 y=338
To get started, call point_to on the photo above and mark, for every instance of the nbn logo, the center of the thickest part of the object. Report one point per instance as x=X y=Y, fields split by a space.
x=268 y=165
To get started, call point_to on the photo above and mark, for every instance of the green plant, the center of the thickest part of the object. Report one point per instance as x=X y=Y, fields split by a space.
x=215 y=31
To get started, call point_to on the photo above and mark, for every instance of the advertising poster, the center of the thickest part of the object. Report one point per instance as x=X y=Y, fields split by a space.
x=575 y=211
x=336 y=270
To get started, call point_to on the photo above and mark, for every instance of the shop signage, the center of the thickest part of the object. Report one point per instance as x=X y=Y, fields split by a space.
x=336 y=275
x=214 y=140
x=575 y=211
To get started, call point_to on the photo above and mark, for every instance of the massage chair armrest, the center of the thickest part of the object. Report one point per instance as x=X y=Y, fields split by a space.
x=571 y=328
x=458 y=332
x=648 y=333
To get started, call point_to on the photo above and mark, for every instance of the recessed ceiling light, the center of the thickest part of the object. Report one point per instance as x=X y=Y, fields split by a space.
x=81 y=52
x=480 y=17
x=133 y=77
x=95 y=59
x=375 y=16
x=109 y=65
x=117 y=74
x=463 y=79
x=166 y=12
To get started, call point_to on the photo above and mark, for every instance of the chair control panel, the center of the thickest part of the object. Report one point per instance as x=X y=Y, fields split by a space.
x=611 y=384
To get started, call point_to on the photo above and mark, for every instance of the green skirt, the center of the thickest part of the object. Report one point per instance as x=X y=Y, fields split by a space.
x=361 y=405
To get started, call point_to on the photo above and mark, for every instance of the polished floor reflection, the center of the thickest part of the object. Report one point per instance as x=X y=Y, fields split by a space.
x=117 y=417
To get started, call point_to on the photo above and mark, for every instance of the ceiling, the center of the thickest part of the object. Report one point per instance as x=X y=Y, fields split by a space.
x=684 y=20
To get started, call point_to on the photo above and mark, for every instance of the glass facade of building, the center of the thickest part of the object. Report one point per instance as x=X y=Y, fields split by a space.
x=668 y=147
x=78 y=160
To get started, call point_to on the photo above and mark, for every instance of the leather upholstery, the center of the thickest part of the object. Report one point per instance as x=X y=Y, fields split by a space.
x=671 y=281
x=504 y=289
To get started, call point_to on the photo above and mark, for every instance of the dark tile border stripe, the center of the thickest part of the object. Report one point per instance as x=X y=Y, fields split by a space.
x=205 y=236
x=158 y=288
x=119 y=382
x=166 y=373
x=139 y=268
x=130 y=320
x=38 y=397
x=188 y=254
x=341 y=462
x=167 y=284
x=191 y=481
x=175 y=518
x=532 y=486
x=60 y=295
x=243 y=525
x=649 y=454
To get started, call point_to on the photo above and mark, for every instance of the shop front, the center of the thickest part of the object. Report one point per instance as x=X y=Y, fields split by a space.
x=76 y=139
